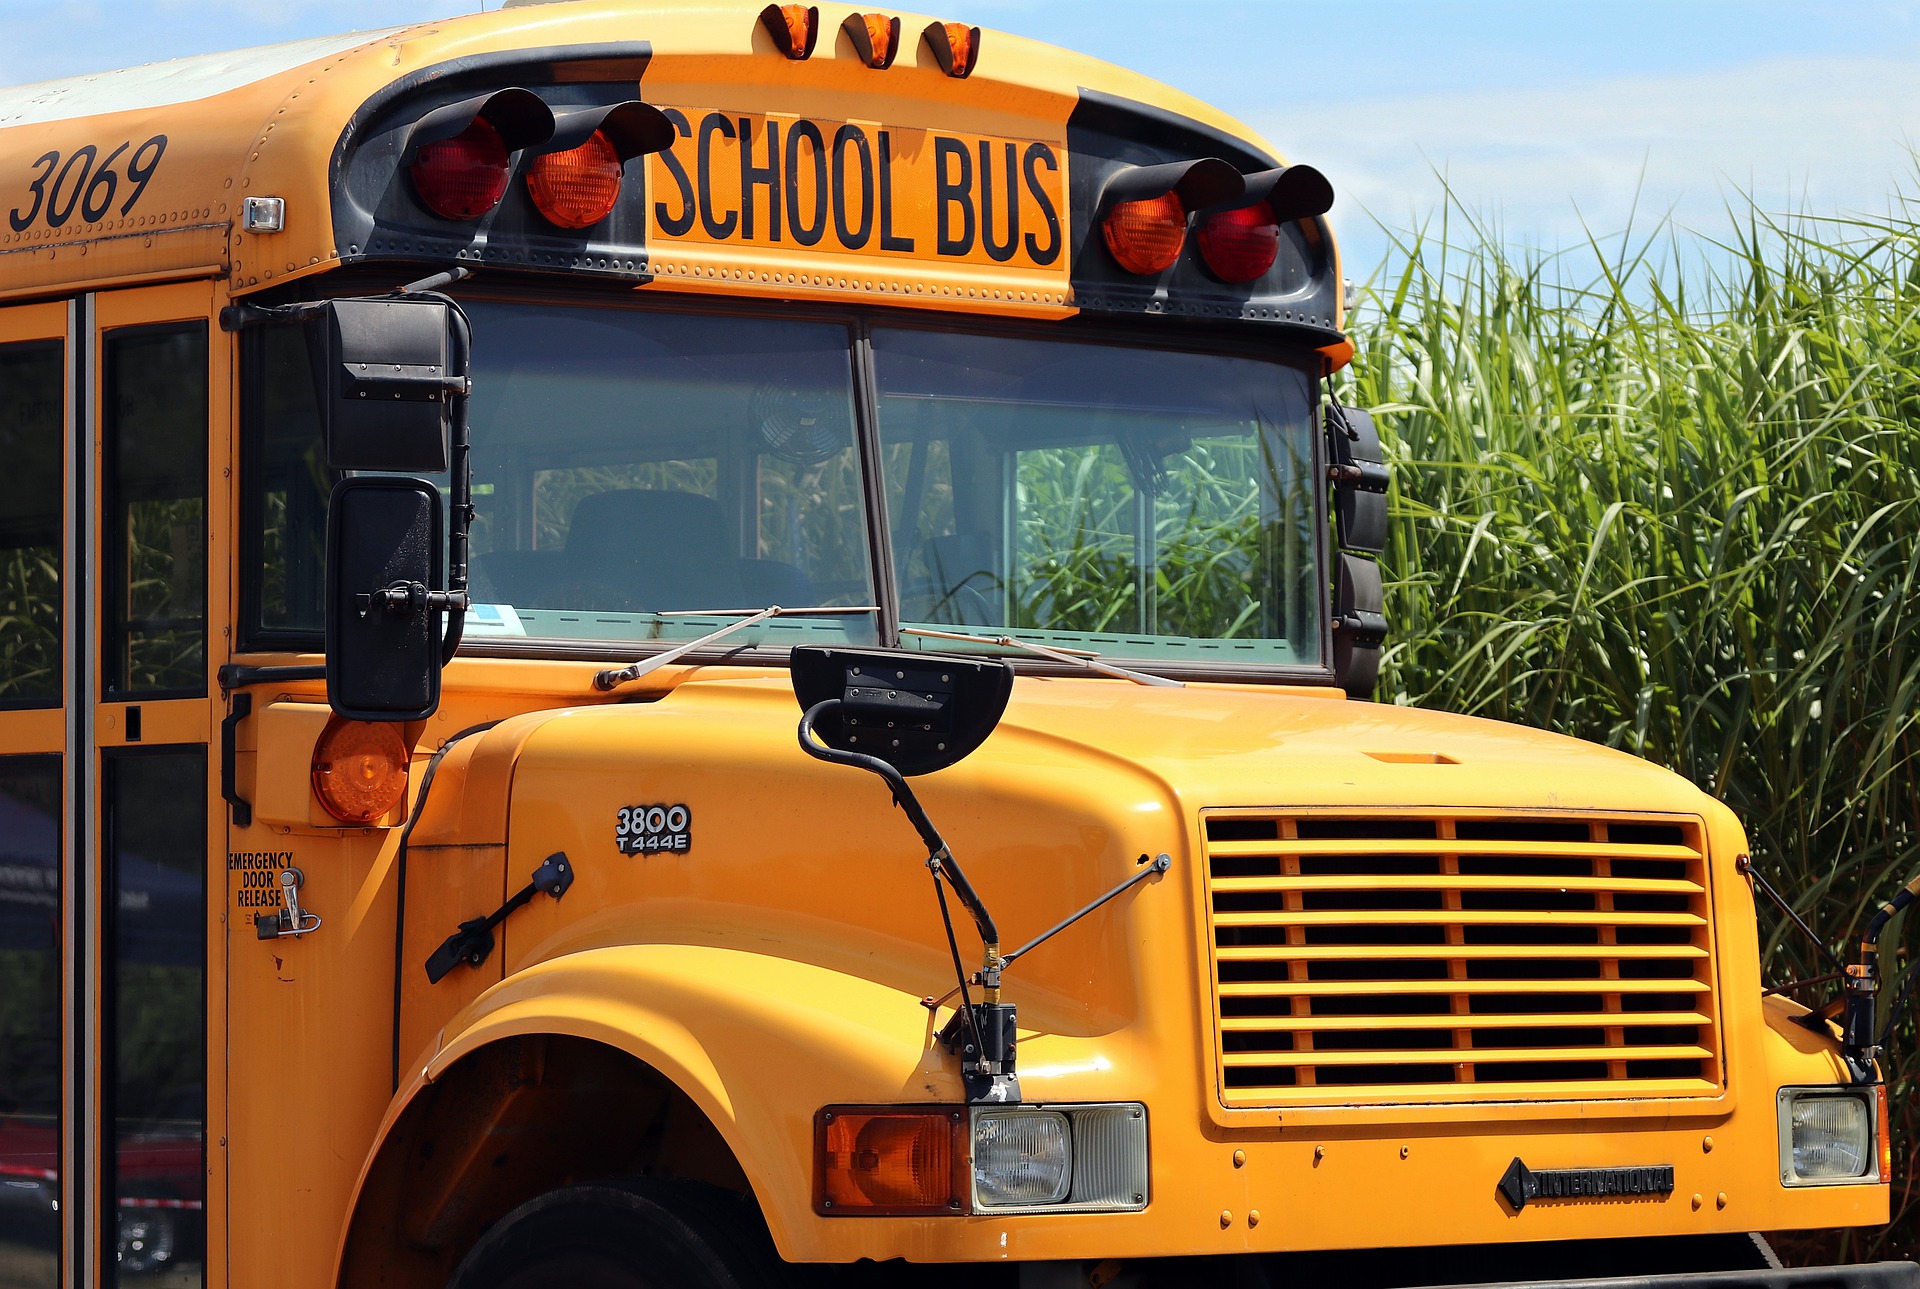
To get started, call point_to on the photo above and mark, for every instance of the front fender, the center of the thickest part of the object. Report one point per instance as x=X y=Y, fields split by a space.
x=757 y=1042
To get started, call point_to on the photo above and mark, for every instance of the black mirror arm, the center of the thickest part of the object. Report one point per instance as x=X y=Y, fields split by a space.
x=940 y=856
x=461 y=477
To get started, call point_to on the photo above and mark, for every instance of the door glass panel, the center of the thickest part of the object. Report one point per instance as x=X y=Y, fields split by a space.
x=156 y=511
x=155 y=1074
x=29 y=1021
x=32 y=390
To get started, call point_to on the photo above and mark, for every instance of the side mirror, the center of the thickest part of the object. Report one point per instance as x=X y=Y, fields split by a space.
x=918 y=712
x=387 y=384
x=384 y=544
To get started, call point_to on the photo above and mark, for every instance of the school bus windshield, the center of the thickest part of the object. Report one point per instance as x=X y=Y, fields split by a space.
x=1144 y=503
x=638 y=472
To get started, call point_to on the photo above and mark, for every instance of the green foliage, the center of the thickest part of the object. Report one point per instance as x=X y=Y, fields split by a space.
x=1680 y=520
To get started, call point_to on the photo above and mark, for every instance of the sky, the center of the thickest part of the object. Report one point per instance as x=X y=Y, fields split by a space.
x=1547 y=119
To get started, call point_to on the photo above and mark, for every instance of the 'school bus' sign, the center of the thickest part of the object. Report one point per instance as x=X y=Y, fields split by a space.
x=883 y=194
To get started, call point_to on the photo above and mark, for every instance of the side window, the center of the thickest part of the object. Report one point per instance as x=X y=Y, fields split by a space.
x=30 y=1020
x=156 y=511
x=32 y=385
x=156 y=1053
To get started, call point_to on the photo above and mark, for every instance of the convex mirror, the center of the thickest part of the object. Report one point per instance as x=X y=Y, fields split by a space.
x=918 y=712
x=386 y=387
x=384 y=547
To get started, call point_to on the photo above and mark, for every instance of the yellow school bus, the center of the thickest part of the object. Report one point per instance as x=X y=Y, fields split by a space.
x=686 y=643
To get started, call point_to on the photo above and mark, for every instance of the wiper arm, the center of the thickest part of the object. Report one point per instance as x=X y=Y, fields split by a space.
x=617 y=676
x=1078 y=657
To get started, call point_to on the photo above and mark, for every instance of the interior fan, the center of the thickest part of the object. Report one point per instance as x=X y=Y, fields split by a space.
x=801 y=424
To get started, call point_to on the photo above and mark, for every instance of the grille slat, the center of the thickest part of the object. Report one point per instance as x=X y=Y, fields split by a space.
x=1466 y=882
x=1446 y=846
x=1481 y=1021
x=1454 y=917
x=1446 y=952
x=1448 y=1056
x=1481 y=988
x=1379 y=958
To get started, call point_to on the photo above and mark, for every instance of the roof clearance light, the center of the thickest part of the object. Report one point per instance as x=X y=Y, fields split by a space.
x=955 y=46
x=1146 y=236
x=359 y=770
x=579 y=187
x=464 y=177
x=794 y=28
x=875 y=37
x=1240 y=245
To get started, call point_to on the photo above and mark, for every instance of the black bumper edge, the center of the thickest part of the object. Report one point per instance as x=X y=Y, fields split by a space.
x=1867 y=1275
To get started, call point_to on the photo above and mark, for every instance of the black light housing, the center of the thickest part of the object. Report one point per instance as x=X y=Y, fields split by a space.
x=633 y=128
x=522 y=118
x=1205 y=181
x=1294 y=192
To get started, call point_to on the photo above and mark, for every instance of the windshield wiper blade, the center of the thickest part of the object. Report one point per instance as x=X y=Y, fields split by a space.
x=1078 y=657
x=617 y=676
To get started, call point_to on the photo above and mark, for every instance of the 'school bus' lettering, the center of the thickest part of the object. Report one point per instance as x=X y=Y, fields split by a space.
x=736 y=178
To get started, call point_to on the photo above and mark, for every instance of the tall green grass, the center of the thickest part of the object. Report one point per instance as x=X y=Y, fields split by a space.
x=1681 y=517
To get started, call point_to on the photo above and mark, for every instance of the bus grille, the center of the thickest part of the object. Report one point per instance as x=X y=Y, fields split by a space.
x=1389 y=958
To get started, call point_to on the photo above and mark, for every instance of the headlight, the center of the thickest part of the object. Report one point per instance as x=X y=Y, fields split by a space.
x=1827 y=1135
x=1021 y=1158
x=1091 y=1158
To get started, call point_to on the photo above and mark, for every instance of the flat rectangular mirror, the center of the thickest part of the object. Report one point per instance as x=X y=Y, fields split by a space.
x=384 y=547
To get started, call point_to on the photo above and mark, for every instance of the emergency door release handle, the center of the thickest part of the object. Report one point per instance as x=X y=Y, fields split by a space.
x=289 y=918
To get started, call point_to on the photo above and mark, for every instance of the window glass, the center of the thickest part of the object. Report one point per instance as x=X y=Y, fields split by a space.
x=155 y=422
x=633 y=472
x=1125 y=501
x=156 y=1051
x=29 y=1021
x=32 y=397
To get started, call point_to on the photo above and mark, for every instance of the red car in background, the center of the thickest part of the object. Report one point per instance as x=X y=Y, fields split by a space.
x=161 y=1185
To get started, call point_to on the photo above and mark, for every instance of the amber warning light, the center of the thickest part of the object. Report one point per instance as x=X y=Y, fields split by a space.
x=575 y=181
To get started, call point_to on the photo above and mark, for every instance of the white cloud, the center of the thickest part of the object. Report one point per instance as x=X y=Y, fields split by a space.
x=1830 y=135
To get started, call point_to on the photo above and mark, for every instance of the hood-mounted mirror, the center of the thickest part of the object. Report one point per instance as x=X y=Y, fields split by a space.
x=918 y=712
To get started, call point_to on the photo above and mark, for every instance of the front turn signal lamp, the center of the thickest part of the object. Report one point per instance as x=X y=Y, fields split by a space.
x=888 y=1161
x=885 y=1161
x=359 y=770
x=1833 y=1136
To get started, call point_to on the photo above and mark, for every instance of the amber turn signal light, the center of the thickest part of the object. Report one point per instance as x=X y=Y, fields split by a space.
x=1146 y=236
x=874 y=36
x=359 y=770
x=1883 y=1122
x=890 y=1160
x=955 y=46
x=579 y=187
x=794 y=28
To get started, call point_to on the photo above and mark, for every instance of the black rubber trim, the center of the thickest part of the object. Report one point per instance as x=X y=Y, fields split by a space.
x=1150 y=125
x=618 y=61
x=1870 y=1275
